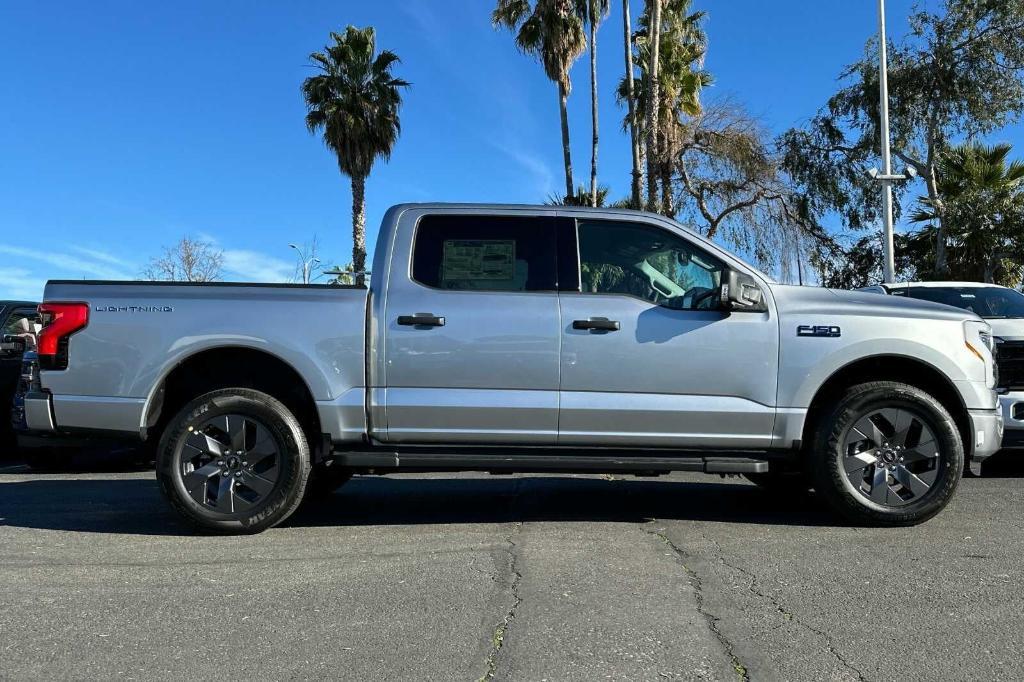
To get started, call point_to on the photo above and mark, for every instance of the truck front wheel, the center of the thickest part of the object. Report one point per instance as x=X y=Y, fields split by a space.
x=887 y=454
x=234 y=461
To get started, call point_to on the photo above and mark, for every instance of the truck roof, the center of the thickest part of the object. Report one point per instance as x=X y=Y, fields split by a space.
x=937 y=285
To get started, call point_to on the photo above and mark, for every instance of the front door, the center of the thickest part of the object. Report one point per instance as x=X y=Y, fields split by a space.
x=471 y=331
x=648 y=359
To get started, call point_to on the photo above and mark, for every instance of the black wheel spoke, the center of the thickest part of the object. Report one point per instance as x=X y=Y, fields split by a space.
x=891 y=456
x=230 y=463
x=195 y=481
x=258 y=484
x=224 y=501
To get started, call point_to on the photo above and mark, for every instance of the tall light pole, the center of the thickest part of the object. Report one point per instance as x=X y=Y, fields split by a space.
x=307 y=264
x=889 y=271
x=886 y=176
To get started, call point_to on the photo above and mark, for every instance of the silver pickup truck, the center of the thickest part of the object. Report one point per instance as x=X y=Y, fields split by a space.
x=530 y=339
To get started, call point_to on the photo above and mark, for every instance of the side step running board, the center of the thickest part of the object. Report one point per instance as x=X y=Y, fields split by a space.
x=382 y=460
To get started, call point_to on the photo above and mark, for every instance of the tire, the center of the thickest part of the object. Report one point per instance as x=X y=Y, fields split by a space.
x=233 y=461
x=785 y=483
x=905 y=479
x=325 y=478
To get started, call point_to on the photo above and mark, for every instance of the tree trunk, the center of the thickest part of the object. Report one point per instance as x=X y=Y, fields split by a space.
x=939 y=207
x=653 y=99
x=563 y=98
x=668 y=208
x=665 y=175
x=593 y=100
x=359 y=227
x=633 y=136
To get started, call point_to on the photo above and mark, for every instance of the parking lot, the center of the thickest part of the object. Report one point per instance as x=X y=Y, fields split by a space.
x=472 y=577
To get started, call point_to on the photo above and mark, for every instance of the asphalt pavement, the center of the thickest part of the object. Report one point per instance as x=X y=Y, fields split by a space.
x=469 y=577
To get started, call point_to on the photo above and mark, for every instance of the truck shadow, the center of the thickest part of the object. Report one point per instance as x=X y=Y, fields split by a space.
x=134 y=505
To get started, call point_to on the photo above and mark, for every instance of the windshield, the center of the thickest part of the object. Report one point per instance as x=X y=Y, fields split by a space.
x=989 y=302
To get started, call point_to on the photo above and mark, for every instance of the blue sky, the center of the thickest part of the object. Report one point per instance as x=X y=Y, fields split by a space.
x=126 y=125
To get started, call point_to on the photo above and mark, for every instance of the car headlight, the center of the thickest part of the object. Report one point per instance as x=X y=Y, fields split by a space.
x=981 y=343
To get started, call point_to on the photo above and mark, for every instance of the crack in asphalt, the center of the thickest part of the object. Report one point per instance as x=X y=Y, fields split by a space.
x=712 y=620
x=501 y=629
x=754 y=588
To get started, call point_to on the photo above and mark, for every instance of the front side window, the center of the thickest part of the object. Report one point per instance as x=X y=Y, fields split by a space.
x=649 y=263
x=485 y=253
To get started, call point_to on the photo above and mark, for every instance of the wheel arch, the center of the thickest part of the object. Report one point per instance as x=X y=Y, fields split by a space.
x=891 y=367
x=228 y=366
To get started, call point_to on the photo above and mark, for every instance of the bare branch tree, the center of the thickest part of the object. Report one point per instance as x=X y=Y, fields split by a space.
x=732 y=186
x=308 y=265
x=189 y=260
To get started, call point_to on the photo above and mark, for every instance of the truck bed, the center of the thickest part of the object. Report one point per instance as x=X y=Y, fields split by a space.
x=139 y=331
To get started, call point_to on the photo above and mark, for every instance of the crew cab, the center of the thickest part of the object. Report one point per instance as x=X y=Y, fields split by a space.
x=530 y=339
x=1001 y=307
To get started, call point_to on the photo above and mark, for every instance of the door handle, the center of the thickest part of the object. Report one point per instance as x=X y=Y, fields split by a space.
x=421 y=320
x=597 y=324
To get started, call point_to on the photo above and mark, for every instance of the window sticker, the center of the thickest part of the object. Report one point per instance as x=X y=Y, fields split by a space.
x=489 y=259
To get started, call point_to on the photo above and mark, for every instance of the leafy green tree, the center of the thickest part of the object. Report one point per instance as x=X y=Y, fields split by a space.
x=860 y=264
x=354 y=102
x=957 y=73
x=982 y=206
x=551 y=32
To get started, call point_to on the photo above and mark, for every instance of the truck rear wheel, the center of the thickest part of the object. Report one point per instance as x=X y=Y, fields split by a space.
x=888 y=454
x=234 y=461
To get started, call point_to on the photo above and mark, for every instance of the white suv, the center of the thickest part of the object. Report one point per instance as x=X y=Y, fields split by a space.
x=1002 y=308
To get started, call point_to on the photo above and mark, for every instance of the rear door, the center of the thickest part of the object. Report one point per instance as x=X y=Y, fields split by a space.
x=471 y=330
x=648 y=359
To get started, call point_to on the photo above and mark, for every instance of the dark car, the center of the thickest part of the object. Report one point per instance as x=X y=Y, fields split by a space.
x=19 y=322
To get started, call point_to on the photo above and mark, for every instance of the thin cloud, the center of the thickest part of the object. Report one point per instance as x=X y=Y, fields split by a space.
x=257 y=267
x=103 y=257
x=74 y=265
x=20 y=283
x=542 y=174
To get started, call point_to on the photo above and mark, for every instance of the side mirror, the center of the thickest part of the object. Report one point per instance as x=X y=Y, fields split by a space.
x=741 y=293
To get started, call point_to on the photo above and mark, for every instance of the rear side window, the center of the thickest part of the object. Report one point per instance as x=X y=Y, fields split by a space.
x=485 y=253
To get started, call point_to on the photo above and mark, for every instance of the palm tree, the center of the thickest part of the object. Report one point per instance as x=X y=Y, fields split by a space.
x=592 y=12
x=552 y=32
x=653 y=148
x=354 y=102
x=634 y=140
x=983 y=209
x=681 y=79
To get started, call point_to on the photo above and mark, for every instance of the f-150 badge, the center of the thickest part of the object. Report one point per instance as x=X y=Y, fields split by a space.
x=823 y=331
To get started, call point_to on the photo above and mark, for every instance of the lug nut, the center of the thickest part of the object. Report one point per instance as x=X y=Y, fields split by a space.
x=238 y=474
x=223 y=473
x=220 y=462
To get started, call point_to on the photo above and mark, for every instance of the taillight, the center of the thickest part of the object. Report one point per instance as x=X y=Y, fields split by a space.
x=60 y=321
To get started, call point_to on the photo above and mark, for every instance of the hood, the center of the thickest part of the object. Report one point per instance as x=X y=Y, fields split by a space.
x=791 y=298
x=1010 y=329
